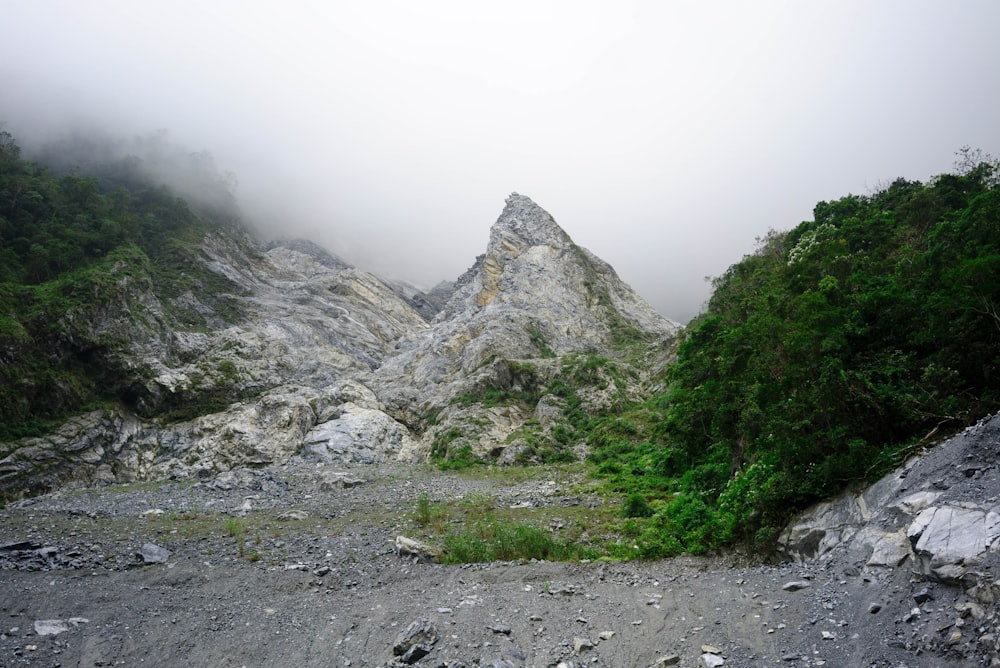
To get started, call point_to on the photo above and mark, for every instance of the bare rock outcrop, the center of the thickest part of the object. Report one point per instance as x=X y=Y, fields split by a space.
x=321 y=360
x=534 y=297
x=938 y=515
x=224 y=394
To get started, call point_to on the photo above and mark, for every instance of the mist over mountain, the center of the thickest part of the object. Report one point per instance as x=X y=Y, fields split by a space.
x=665 y=137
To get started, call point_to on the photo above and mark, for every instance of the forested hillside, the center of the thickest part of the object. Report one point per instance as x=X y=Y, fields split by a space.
x=821 y=360
x=77 y=251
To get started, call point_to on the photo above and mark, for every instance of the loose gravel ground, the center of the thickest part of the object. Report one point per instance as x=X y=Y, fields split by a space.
x=296 y=566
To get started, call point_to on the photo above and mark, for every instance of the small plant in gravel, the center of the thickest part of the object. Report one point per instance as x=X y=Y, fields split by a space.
x=429 y=513
x=477 y=505
x=235 y=527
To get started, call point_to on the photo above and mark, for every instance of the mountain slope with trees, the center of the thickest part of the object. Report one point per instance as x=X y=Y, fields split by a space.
x=821 y=360
x=77 y=253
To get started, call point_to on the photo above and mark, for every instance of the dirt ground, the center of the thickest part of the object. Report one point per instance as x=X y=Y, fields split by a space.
x=296 y=566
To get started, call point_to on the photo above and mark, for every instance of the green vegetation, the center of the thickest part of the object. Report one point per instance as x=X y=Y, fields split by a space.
x=78 y=256
x=472 y=530
x=820 y=362
x=451 y=457
x=538 y=340
x=525 y=387
x=636 y=505
x=502 y=541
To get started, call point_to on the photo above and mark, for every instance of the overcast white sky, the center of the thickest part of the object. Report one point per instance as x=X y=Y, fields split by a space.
x=663 y=136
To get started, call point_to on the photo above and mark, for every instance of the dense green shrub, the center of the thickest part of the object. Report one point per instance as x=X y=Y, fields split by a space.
x=819 y=361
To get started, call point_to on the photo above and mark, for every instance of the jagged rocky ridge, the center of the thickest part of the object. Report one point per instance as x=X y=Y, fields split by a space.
x=329 y=362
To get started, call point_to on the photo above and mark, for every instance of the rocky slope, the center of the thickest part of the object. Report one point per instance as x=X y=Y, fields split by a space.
x=328 y=362
x=534 y=298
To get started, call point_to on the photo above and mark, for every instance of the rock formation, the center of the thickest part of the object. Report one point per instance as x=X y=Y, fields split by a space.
x=533 y=297
x=329 y=362
x=938 y=516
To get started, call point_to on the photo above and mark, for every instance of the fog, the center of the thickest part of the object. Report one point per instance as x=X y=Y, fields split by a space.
x=663 y=136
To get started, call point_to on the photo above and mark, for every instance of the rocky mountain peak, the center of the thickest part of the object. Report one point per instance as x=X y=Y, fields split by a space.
x=534 y=297
x=523 y=224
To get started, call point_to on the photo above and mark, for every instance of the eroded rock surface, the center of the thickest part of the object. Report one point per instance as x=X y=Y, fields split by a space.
x=533 y=297
x=330 y=363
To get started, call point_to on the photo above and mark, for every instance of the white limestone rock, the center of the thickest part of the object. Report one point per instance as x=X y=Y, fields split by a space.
x=357 y=434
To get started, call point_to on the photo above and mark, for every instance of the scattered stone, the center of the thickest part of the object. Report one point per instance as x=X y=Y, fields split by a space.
x=710 y=649
x=415 y=653
x=949 y=573
x=419 y=633
x=668 y=660
x=796 y=585
x=19 y=546
x=293 y=515
x=51 y=627
x=151 y=553
x=581 y=644
x=970 y=609
x=498 y=663
x=923 y=596
x=828 y=635
x=874 y=607
x=423 y=552
x=338 y=479
x=607 y=635
x=708 y=660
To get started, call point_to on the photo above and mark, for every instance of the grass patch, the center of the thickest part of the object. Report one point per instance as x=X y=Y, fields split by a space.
x=235 y=527
x=477 y=528
x=503 y=541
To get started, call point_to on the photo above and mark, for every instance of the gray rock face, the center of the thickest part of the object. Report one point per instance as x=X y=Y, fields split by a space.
x=948 y=530
x=358 y=434
x=330 y=363
x=311 y=325
x=534 y=295
x=949 y=535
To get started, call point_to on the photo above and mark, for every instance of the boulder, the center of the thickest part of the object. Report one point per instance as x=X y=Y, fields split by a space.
x=408 y=547
x=151 y=553
x=357 y=435
x=949 y=536
x=420 y=633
